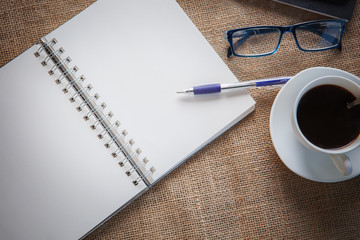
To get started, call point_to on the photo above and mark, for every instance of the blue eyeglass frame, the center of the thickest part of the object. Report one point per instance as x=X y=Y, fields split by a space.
x=284 y=29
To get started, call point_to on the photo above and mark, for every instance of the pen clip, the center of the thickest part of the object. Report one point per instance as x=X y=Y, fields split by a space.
x=272 y=83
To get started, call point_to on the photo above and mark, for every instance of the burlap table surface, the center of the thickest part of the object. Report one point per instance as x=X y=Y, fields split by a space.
x=237 y=187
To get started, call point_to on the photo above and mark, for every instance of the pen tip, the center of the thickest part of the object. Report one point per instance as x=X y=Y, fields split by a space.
x=185 y=91
x=188 y=90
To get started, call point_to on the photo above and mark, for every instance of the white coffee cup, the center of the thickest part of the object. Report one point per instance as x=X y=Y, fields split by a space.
x=337 y=155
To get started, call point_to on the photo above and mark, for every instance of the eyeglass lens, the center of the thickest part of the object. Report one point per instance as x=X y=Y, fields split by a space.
x=317 y=36
x=256 y=41
x=265 y=40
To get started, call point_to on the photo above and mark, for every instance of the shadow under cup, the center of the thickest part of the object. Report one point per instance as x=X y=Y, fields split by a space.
x=321 y=119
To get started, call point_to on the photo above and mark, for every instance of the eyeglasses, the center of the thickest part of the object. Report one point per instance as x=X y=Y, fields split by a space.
x=265 y=40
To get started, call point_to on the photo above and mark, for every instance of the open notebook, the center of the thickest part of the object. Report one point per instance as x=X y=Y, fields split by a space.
x=67 y=166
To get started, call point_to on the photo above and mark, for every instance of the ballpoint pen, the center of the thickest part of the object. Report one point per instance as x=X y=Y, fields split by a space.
x=217 y=87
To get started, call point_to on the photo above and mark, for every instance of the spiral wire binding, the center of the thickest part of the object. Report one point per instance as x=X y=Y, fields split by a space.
x=95 y=110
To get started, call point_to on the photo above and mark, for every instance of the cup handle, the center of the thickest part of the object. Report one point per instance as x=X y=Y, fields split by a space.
x=342 y=163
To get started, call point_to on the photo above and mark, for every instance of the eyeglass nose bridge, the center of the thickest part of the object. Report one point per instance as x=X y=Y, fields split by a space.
x=286 y=29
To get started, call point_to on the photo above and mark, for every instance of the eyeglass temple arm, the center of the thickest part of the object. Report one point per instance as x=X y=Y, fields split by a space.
x=229 y=52
x=236 y=45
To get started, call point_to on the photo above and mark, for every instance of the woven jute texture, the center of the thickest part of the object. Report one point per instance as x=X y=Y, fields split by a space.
x=237 y=187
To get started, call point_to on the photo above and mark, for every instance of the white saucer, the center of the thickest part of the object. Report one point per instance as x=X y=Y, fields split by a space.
x=302 y=161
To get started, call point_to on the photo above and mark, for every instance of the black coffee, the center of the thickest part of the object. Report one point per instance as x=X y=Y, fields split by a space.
x=324 y=119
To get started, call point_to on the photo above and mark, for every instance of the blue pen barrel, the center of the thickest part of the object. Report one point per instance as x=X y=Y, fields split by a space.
x=205 y=89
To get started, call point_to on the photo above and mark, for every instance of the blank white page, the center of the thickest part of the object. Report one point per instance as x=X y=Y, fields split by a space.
x=137 y=54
